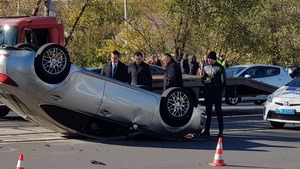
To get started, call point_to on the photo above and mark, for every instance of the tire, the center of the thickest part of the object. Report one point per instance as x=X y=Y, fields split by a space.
x=176 y=107
x=233 y=100
x=259 y=102
x=4 y=111
x=26 y=46
x=277 y=125
x=52 y=63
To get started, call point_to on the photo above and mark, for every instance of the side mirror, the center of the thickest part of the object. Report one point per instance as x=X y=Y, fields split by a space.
x=247 y=76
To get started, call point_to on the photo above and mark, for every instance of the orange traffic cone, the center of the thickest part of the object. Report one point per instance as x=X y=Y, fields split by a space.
x=218 y=159
x=20 y=162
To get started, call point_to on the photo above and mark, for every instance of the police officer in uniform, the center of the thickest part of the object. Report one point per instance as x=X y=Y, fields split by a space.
x=214 y=80
x=222 y=61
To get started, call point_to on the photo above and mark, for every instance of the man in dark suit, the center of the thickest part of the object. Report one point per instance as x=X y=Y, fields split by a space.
x=139 y=72
x=173 y=75
x=115 y=68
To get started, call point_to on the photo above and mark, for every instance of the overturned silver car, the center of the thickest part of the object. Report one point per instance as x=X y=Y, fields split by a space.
x=46 y=88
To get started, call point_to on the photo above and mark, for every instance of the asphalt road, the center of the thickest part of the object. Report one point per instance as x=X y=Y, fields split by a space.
x=249 y=142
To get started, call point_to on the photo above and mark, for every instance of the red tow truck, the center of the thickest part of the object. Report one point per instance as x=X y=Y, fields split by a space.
x=32 y=30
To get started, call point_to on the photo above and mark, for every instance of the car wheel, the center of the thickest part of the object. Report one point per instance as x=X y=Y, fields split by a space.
x=258 y=102
x=26 y=46
x=233 y=100
x=277 y=125
x=52 y=63
x=4 y=111
x=176 y=107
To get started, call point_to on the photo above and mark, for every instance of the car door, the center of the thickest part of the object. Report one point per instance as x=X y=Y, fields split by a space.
x=83 y=92
x=128 y=104
x=253 y=73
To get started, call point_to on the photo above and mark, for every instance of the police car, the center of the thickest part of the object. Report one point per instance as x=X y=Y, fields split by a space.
x=283 y=106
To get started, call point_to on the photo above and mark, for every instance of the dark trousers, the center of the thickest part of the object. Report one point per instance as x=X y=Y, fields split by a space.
x=213 y=95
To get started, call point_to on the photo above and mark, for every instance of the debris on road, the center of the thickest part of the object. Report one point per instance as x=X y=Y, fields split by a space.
x=97 y=162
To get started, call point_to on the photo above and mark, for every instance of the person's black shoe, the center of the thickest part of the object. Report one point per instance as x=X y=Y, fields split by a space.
x=205 y=134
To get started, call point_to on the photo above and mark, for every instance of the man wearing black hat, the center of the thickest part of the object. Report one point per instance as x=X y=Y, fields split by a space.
x=214 y=80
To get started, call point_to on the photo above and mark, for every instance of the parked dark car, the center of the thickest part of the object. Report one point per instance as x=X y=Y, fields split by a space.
x=295 y=73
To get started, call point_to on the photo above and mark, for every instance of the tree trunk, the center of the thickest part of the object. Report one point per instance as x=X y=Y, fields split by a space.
x=75 y=23
x=37 y=7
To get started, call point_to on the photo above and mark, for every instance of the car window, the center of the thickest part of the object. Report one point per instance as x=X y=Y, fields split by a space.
x=254 y=72
x=233 y=71
x=294 y=82
x=9 y=35
x=271 y=71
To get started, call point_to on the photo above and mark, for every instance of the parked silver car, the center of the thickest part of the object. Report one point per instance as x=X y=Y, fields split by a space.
x=45 y=88
x=269 y=74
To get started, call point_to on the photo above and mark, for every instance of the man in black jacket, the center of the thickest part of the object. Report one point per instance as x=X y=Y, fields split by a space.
x=173 y=75
x=115 y=68
x=194 y=65
x=214 y=80
x=139 y=72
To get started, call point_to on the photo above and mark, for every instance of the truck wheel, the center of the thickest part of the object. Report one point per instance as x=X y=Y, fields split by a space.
x=52 y=63
x=233 y=100
x=176 y=107
x=25 y=46
x=277 y=125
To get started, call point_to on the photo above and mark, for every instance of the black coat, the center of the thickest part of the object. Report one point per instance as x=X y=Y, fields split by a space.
x=194 y=66
x=217 y=74
x=184 y=65
x=140 y=75
x=173 y=75
x=120 y=73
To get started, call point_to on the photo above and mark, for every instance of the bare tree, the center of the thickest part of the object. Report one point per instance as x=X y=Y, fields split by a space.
x=37 y=7
x=76 y=21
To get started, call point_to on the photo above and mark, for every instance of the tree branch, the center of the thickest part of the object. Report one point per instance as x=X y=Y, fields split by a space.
x=37 y=7
x=75 y=23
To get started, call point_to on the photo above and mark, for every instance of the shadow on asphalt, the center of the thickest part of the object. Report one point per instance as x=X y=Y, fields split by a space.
x=237 y=142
